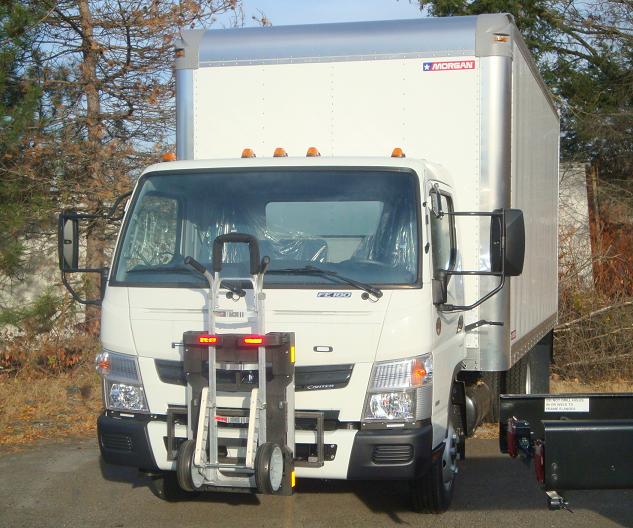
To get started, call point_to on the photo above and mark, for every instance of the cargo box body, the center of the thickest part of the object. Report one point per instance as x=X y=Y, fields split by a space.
x=462 y=92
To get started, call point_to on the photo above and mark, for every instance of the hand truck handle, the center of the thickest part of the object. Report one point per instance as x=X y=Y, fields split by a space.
x=238 y=238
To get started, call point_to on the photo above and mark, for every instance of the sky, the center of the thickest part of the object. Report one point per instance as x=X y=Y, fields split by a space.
x=284 y=12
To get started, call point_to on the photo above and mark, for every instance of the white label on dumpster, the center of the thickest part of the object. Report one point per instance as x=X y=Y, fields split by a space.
x=566 y=404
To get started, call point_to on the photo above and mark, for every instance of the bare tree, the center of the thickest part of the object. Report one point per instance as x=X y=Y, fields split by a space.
x=106 y=70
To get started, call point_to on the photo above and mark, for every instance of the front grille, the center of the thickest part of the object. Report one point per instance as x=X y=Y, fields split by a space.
x=392 y=454
x=118 y=441
x=320 y=377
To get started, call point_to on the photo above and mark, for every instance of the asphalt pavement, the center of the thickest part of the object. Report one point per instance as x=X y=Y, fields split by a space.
x=66 y=485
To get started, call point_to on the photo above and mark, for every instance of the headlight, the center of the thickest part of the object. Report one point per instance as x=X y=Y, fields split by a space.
x=122 y=383
x=400 y=390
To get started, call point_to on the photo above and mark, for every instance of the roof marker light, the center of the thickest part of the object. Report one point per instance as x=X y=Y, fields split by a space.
x=280 y=153
x=500 y=37
x=248 y=153
x=398 y=153
x=169 y=156
x=313 y=152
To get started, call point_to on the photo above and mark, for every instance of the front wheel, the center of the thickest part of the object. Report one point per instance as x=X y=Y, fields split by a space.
x=433 y=492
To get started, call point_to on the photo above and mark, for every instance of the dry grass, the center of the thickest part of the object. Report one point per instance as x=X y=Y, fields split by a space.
x=559 y=386
x=36 y=406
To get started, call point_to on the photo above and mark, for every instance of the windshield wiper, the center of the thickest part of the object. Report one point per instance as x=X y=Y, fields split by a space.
x=180 y=269
x=312 y=270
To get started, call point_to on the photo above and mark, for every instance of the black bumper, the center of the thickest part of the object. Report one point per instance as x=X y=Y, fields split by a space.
x=125 y=442
x=391 y=455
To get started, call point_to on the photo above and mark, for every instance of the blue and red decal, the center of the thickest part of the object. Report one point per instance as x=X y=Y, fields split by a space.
x=448 y=65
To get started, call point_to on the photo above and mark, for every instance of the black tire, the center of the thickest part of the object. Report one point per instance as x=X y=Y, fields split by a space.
x=494 y=382
x=165 y=486
x=540 y=361
x=263 y=459
x=184 y=466
x=530 y=375
x=518 y=378
x=433 y=492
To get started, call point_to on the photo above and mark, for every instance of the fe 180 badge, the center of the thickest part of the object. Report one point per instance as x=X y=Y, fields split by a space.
x=335 y=294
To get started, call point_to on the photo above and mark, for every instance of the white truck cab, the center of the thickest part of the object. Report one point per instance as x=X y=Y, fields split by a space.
x=405 y=283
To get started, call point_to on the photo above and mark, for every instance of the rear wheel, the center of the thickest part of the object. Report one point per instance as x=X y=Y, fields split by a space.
x=530 y=375
x=433 y=492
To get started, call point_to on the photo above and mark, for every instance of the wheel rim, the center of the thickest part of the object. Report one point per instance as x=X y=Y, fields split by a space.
x=276 y=468
x=449 y=457
x=528 y=379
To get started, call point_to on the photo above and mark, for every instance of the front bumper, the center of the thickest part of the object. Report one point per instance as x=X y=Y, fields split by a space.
x=374 y=454
x=125 y=442
x=379 y=454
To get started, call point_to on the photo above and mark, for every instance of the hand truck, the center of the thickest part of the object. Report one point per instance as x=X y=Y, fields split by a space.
x=248 y=443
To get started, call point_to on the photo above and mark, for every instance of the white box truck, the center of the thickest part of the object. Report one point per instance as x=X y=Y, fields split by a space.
x=399 y=180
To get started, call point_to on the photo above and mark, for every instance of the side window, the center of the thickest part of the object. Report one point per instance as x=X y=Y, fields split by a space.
x=443 y=245
x=155 y=232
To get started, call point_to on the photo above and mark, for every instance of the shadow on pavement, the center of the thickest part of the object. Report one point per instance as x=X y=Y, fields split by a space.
x=484 y=483
x=168 y=489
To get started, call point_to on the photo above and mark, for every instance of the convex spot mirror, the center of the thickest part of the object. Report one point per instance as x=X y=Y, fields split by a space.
x=68 y=241
x=514 y=242
x=436 y=201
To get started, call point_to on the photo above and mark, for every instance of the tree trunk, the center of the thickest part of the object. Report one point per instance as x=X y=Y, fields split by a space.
x=95 y=243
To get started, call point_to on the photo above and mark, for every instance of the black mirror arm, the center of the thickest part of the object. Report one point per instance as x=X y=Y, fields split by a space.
x=464 y=308
x=95 y=302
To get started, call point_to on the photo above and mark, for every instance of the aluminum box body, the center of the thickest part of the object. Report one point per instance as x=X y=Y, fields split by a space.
x=462 y=92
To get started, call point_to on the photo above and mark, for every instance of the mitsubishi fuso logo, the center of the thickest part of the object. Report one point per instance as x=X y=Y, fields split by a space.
x=335 y=294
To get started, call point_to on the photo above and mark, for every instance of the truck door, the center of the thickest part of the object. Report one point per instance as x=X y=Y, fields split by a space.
x=447 y=327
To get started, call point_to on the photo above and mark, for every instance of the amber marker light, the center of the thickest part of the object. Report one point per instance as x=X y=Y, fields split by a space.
x=280 y=153
x=313 y=152
x=248 y=153
x=169 y=156
x=397 y=153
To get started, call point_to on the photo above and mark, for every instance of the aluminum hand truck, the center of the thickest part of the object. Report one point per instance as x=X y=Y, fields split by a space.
x=247 y=443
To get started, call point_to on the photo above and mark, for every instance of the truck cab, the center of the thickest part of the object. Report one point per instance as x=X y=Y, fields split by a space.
x=356 y=351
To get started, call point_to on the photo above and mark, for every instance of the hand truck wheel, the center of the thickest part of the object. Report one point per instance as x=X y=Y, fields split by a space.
x=269 y=468
x=189 y=478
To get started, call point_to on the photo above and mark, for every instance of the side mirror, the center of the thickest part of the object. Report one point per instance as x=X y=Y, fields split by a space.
x=511 y=222
x=436 y=202
x=68 y=241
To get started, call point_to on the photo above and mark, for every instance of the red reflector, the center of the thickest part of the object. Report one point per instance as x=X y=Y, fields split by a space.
x=208 y=340
x=252 y=340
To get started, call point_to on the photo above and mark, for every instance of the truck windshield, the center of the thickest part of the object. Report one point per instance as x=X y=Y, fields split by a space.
x=359 y=223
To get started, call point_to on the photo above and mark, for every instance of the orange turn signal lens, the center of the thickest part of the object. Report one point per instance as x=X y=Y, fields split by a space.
x=418 y=373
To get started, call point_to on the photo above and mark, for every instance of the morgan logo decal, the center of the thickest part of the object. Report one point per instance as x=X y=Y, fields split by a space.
x=448 y=65
x=336 y=294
